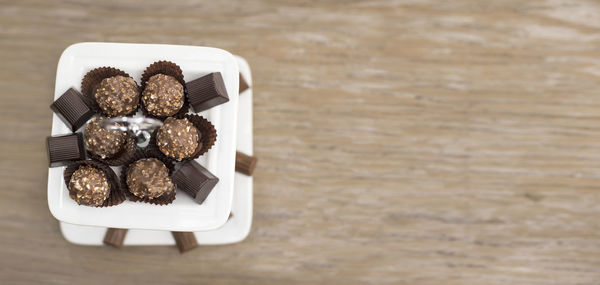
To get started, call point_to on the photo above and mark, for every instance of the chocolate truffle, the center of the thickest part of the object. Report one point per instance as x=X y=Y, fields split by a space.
x=163 y=95
x=117 y=96
x=149 y=178
x=178 y=138
x=89 y=186
x=102 y=142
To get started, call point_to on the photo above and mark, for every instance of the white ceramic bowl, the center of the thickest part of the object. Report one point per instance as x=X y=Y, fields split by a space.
x=183 y=214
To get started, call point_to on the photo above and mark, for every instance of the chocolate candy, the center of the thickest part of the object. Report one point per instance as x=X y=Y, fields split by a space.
x=89 y=186
x=102 y=142
x=195 y=180
x=245 y=163
x=117 y=96
x=72 y=109
x=100 y=172
x=185 y=241
x=115 y=237
x=207 y=91
x=65 y=149
x=163 y=95
x=148 y=178
x=243 y=84
x=178 y=138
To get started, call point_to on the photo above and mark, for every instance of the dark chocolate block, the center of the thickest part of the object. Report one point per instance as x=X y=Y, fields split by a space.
x=71 y=107
x=243 y=84
x=195 y=180
x=244 y=163
x=65 y=149
x=115 y=237
x=207 y=91
x=185 y=241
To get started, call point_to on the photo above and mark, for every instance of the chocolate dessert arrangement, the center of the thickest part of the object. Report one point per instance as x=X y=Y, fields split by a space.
x=146 y=172
x=102 y=140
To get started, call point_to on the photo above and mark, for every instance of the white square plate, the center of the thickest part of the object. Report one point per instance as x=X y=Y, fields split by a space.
x=183 y=214
x=235 y=230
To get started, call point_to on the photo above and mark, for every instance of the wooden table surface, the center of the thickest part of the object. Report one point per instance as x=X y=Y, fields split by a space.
x=400 y=142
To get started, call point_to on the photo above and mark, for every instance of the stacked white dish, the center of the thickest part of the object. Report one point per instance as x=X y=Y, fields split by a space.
x=151 y=224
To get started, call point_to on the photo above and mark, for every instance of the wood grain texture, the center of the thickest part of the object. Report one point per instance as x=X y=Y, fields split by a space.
x=400 y=142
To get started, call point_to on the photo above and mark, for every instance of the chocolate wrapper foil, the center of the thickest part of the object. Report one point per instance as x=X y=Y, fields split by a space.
x=209 y=133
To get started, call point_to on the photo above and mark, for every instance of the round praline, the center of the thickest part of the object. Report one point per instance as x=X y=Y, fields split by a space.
x=148 y=178
x=178 y=138
x=163 y=95
x=117 y=96
x=102 y=142
x=89 y=186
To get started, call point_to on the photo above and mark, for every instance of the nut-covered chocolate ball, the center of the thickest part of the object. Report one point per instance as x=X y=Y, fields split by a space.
x=88 y=186
x=117 y=95
x=178 y=138
x=149 y=178
x=163 y=95
x=102 y=142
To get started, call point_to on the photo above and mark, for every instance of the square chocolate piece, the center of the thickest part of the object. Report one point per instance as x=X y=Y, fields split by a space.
x=207 y=91
x=185 y=241
x=63 y=150
x=243 y=84
x=245 y=163
x=115 y=237
x=195 y=180
x=71 y=107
